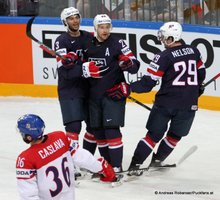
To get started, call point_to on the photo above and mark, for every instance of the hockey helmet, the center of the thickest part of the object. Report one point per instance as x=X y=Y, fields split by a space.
x=170 y=29
x=67 y=12
x=101 y=19
x=31 y=125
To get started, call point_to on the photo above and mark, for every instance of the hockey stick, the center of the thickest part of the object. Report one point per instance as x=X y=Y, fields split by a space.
x=190 y=151
x=139 y=103
x=120 y=175
x=187 y=154
x=48 y=49
x=211 y=80
x=148 y=108
x=150 y=169
x=42 y=46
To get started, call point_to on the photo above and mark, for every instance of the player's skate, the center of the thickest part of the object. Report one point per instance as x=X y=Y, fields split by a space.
x=134 y=170
x=155 y=162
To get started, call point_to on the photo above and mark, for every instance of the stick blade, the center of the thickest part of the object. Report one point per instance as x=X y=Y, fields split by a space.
x=28 y=29
x=187 y=154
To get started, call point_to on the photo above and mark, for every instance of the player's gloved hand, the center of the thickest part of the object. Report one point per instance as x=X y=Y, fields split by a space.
x=91 y=69
x=201 y=90
x=70 y=59
x=107 y=173
x=125 y=62
x=119 y=91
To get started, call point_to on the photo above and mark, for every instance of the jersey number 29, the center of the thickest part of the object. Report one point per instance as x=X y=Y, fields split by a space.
x=190 y=71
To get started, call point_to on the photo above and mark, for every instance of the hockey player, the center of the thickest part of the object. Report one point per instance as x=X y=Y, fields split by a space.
x=182 y=72
x=72 y=87
x=108 y=94
x=46 y=169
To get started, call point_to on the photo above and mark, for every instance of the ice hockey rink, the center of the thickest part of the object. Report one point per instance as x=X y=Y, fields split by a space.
x=197 y=178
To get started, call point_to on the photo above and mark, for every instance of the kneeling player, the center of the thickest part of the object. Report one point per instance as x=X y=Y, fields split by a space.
x=46 y=169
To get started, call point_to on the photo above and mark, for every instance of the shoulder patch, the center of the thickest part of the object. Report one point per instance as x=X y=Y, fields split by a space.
x=25 y=173
x=153 y=66
x=126 y=51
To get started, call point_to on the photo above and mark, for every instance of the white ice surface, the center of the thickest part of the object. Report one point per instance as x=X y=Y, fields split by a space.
x=200 y=173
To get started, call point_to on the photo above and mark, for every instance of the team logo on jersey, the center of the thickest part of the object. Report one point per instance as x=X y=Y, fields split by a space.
x=99 y=61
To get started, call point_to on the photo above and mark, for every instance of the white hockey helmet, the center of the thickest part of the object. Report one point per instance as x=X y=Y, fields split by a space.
x=170 y=29
x=101 y=19
x=67 y=12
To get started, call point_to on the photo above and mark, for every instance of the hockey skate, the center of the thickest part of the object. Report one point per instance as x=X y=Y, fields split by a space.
x=155 y=163
x=134 y=170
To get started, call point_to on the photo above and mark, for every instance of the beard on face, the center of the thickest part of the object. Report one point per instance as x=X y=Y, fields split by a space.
x=73 y=29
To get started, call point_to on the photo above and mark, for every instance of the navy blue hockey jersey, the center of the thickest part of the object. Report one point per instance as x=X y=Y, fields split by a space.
x=108 y=54
x=70 y=81
x=182 y=72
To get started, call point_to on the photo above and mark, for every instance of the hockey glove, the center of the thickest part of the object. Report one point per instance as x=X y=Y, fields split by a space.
x=119 y=92
x=70 y=59
x=125 y=62
x=91 y=69
x=107 y=173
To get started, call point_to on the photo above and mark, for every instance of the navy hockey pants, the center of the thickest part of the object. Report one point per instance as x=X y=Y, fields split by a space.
x=160 y=117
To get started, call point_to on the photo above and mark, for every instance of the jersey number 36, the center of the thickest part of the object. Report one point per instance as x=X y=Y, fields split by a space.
x=57 y=179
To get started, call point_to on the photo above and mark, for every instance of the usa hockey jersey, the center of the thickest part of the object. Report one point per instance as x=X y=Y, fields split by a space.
x=108 y=54
x=70 y=81
x=181 y=71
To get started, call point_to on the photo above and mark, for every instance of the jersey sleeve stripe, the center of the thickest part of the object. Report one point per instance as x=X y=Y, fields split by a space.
x=200 y=64
x=155 y=73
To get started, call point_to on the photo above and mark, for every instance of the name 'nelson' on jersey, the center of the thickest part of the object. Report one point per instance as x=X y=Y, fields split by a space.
x=182 y=72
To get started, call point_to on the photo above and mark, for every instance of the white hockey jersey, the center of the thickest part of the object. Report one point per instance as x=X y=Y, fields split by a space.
x=46 y=171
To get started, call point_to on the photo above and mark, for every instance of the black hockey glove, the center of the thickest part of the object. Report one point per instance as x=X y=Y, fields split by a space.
x=119 y=91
